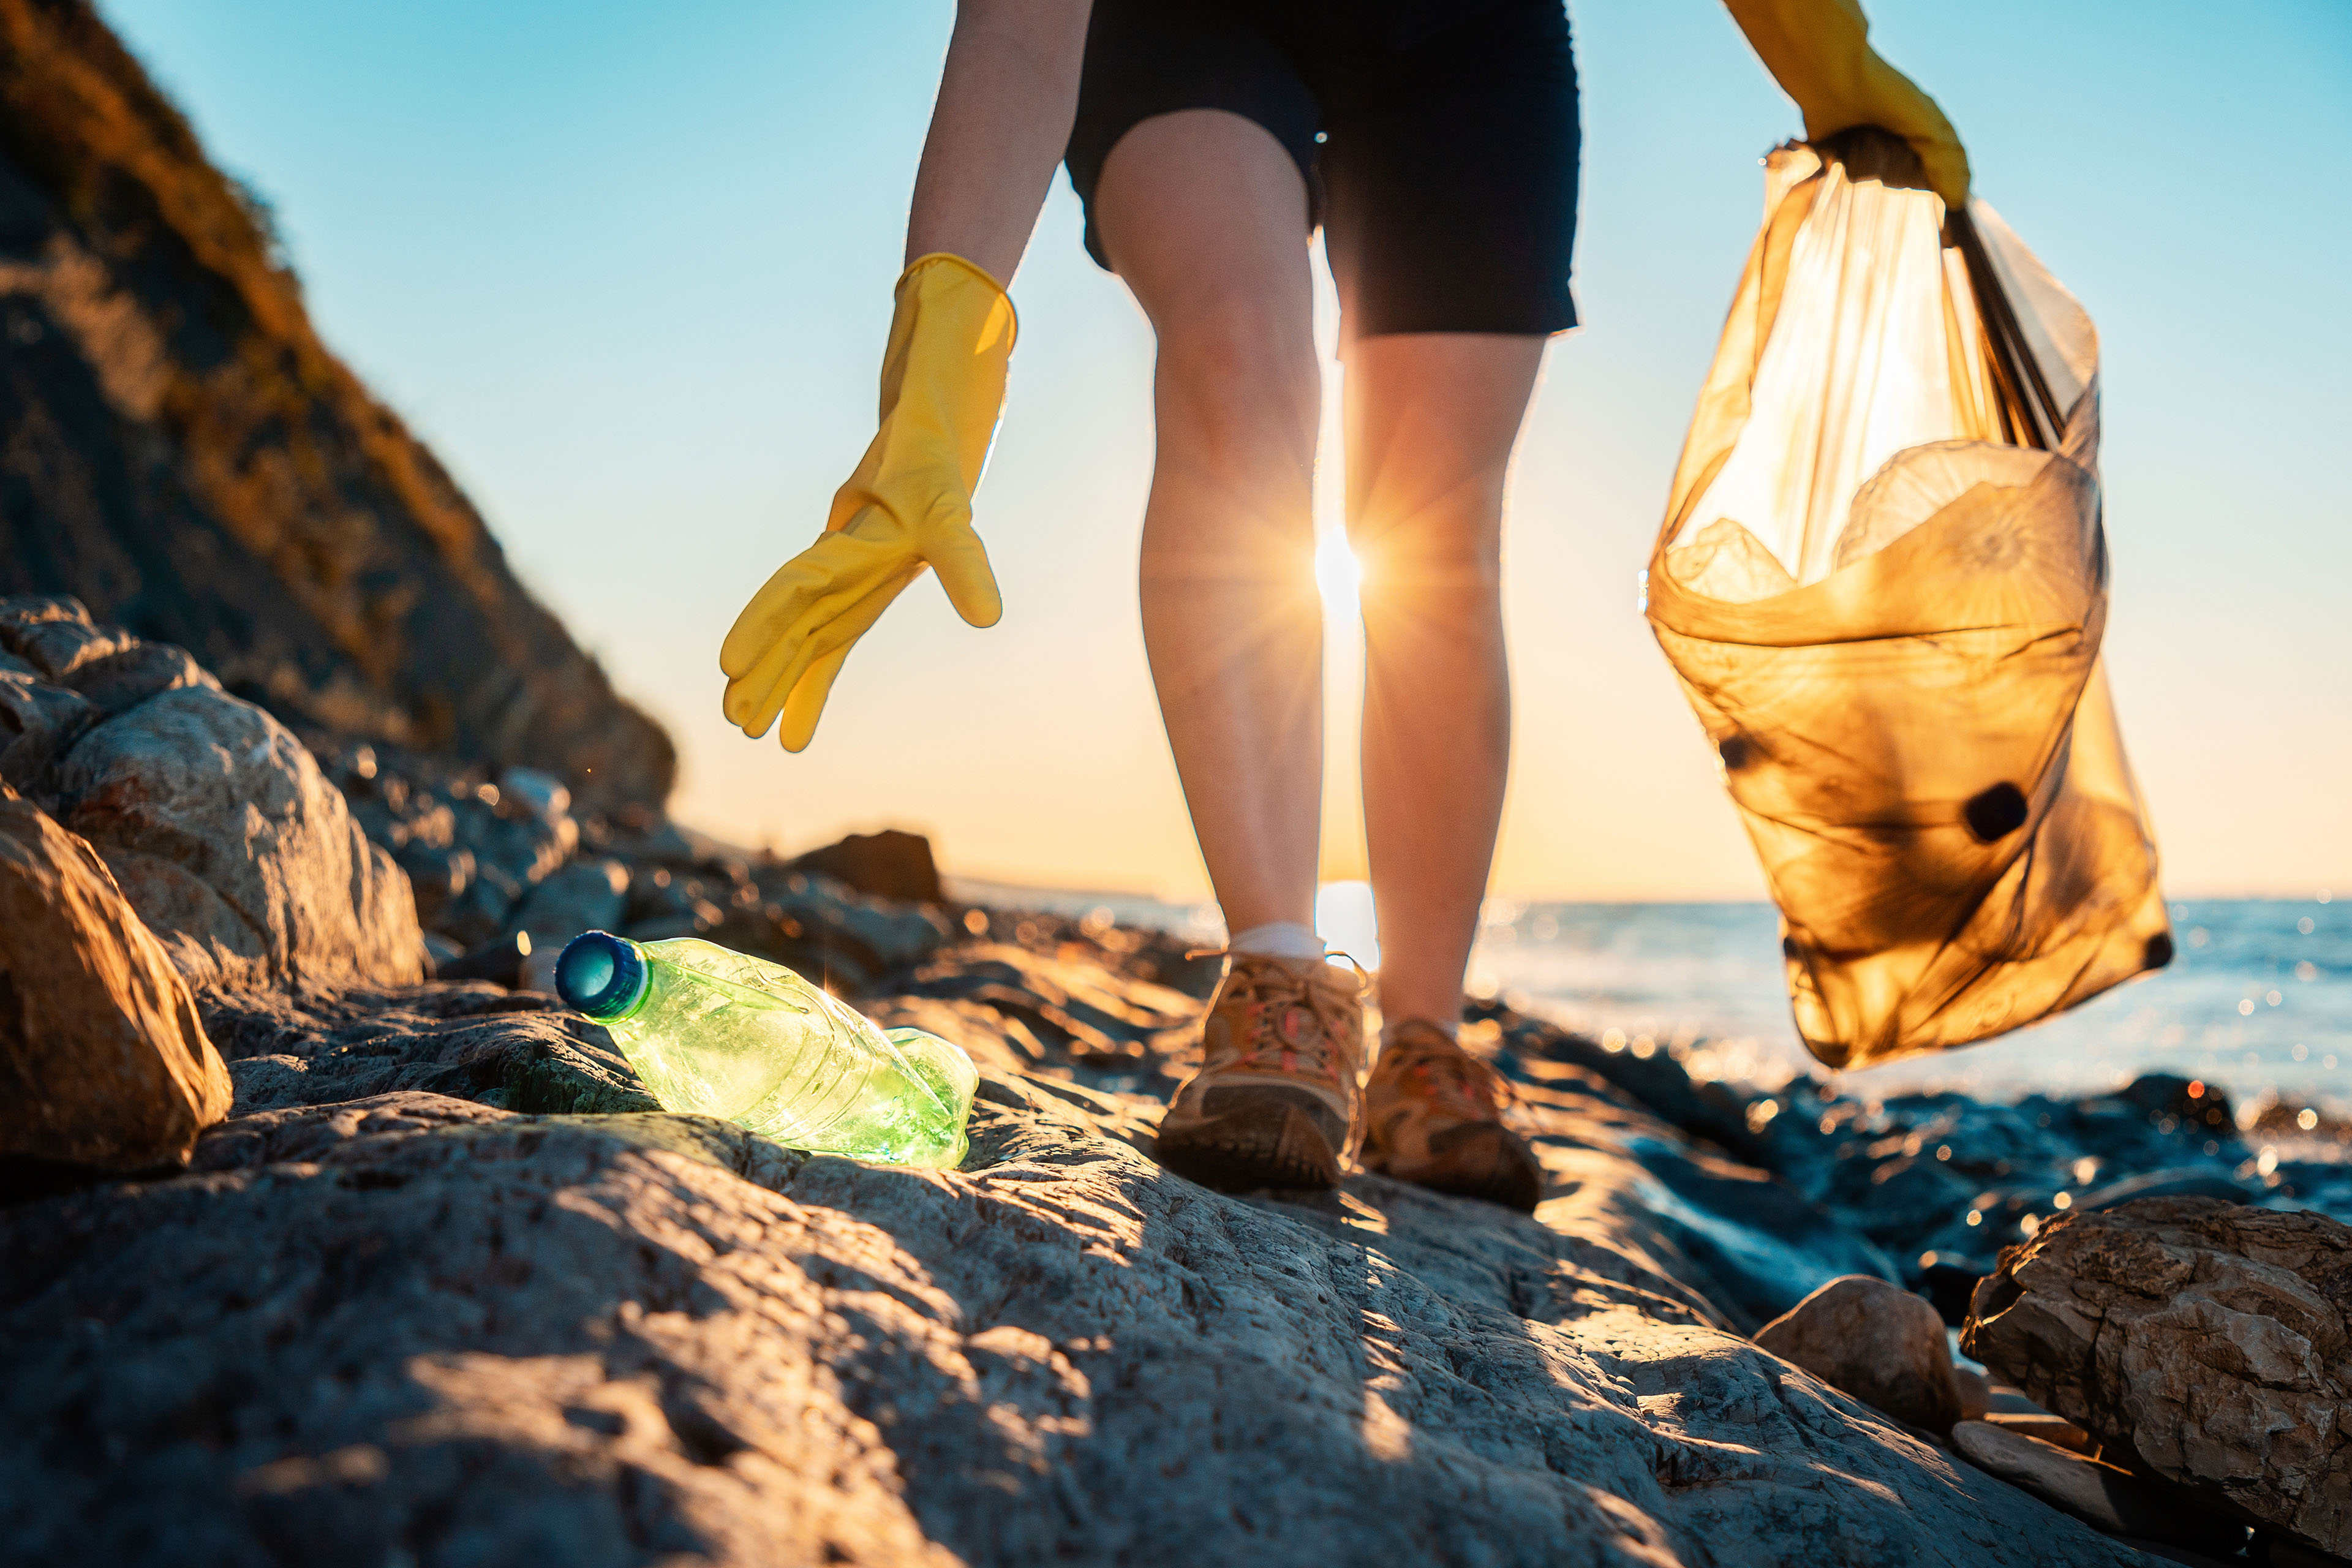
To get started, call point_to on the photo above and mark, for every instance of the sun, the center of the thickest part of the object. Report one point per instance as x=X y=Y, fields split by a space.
x=1338 y=574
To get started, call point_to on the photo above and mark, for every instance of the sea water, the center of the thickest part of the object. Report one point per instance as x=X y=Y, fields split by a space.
x=2258 y=997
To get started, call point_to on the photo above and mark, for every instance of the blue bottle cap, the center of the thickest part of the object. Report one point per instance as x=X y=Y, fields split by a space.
x=602 y=974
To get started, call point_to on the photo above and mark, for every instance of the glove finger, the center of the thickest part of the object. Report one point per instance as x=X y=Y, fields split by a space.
x=753 y=701
x=838 y=634
x=757 y=692
x=805 y=706
x=961 y=561
x=784 y=598
x=755 y=698
x=779 y=669
x=837 y=567
x=740 y=703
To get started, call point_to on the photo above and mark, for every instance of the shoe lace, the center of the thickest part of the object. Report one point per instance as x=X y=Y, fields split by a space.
x=1451 y=1078
x=1265 y=988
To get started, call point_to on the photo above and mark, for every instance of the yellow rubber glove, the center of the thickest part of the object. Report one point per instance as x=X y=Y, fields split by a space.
x=1819 y=51
x=907 y=507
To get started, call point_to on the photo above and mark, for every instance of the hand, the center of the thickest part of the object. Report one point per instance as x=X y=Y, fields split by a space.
x=793 y=638
x=1819 y=51
x=907 y=507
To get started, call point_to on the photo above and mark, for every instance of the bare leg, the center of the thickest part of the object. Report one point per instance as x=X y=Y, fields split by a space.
x=1204 y=217
x=1432 y=418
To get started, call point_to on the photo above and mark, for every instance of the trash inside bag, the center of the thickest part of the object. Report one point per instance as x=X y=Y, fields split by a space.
x=1883 y=581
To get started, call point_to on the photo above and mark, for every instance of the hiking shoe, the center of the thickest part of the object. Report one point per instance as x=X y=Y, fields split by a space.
x=1275 y=1103
x=1434 y=1116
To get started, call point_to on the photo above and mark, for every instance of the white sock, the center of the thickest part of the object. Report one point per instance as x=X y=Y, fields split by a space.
x=1280 y=939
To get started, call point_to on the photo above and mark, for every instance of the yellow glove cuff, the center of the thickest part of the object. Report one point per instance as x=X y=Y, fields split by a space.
x=942 y=380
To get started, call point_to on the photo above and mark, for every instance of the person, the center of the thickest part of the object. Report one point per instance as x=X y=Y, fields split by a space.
x=1435 y=143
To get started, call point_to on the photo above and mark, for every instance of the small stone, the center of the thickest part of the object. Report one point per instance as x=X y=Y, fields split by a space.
x=540 y=794
x=38 y=723
x=1876 y=1342
x=587 y=895
x=53 y=634
x=2008 y=1399
x=437 y=877
x=500 y=961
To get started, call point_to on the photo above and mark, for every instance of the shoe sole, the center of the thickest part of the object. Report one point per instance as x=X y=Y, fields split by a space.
x=1479 y=1162
x=1254 y=1146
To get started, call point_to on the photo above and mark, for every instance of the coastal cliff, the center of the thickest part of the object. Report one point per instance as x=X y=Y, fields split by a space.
x=181 y=453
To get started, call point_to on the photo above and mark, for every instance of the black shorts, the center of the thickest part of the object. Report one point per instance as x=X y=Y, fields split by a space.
x=1438 y=139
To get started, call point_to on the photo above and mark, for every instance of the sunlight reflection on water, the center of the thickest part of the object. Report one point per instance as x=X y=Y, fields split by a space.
x=2260 y=997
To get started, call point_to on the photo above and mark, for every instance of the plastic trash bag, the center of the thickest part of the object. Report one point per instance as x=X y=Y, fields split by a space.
x=1882 y=580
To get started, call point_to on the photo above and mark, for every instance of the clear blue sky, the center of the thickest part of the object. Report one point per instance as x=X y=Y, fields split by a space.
x=628 y=269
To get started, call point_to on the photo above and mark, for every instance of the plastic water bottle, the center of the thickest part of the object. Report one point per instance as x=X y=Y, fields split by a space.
x=723 y=1034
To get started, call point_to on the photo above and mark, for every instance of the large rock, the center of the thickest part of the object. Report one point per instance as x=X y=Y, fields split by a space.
x=413 y=1326
x=1877 y=1341
x=244 y=859
x=102 y=1061
x=2207 y=1340
x=388 y=1319
x=891 y=864
x=475 y=1040
x=179 y=450
x=236 y=852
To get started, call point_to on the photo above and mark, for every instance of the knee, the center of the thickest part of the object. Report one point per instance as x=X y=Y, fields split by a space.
x=1414 y=559
x=1240 y=400
x=1238 y=375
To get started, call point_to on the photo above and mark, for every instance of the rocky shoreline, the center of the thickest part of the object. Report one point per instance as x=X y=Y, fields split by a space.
x=328 y=1236
x=441 y=1283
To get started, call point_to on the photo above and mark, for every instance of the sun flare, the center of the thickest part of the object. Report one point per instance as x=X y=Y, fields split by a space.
x=1338 y=574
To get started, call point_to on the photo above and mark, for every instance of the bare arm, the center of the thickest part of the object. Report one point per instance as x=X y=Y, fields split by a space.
x=1006 y=101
